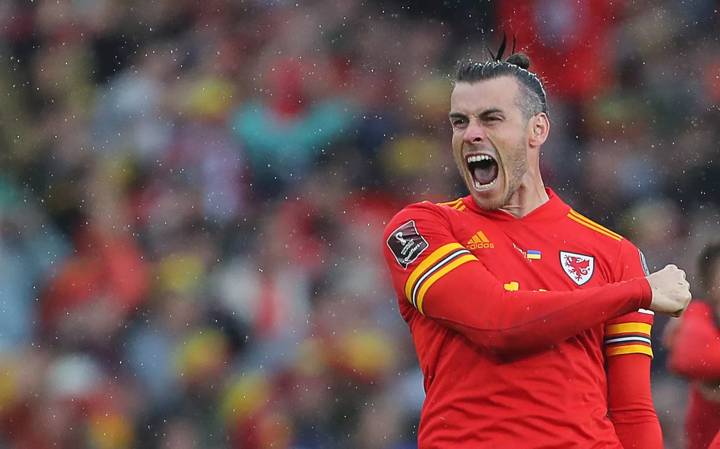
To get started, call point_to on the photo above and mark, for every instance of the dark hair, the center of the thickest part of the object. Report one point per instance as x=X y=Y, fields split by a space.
x=706 y=263
x=516 y=65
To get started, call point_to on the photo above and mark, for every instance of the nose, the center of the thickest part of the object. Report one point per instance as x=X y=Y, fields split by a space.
x=475 y=132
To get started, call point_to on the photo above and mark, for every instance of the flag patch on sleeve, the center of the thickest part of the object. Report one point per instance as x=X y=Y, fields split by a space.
x=406 y=243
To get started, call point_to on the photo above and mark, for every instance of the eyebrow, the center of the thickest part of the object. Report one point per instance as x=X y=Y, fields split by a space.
x=481 y=115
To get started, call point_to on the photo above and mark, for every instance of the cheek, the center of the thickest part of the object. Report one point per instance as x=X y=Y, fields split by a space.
x=456 y=144
x=456 y=140
x=511 y=145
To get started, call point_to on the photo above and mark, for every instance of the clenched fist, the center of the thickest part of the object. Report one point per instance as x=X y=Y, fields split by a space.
x=670 y=291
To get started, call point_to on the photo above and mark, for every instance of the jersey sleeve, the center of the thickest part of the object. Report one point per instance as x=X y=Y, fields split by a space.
x=630 y=333
x=444 y=281
x=628 y=352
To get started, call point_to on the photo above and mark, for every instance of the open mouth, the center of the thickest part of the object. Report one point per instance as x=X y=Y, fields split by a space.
x=483 y=169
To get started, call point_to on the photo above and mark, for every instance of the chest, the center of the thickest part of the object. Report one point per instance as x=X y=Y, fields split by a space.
x=537 y=256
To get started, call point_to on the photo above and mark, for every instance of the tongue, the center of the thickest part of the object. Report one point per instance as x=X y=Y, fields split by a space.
x=486 y=175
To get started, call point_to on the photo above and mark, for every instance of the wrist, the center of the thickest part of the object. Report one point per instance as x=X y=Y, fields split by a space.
x=645 y=293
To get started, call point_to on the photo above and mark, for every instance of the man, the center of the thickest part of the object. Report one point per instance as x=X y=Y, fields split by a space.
x=528 y=318
x=694 y=344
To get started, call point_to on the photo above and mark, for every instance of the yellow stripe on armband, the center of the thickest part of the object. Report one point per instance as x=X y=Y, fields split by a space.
x=627 y=328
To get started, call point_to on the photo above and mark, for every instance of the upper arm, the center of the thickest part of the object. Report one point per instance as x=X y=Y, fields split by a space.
x=420 y=250
x=628 y=352
x=630 y=333
x=444 y=281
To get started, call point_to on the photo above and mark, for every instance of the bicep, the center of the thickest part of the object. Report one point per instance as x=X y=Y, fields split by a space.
x=628 y=352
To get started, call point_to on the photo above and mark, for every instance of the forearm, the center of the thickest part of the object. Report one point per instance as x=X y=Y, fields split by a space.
x=446 y=282
x=520 y=321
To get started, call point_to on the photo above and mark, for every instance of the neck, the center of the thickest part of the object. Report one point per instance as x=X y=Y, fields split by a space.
x=528 y=196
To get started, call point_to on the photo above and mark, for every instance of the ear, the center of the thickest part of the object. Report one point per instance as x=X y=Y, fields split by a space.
x=539 y=129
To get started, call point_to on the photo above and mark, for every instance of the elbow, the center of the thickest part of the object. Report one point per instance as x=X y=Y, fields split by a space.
x=633 y=415
x=506 y=343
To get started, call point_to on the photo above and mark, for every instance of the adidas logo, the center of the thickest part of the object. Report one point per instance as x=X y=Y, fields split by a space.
x=479 y=241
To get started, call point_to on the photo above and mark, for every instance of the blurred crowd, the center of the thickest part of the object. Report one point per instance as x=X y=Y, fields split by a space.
x=192 y=195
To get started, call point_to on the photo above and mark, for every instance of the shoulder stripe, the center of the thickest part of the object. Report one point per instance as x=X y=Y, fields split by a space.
x=581 y=219
x=455 y=204
x=598 y=230
x=630 y=349
x=467 y=257
x=628 y=328
x=430 y=260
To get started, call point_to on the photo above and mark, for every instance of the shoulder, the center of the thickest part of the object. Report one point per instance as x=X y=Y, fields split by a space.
x=456 y=204
x=591 y=229
x=620 y=254
x=427 y=212
x=604 y=239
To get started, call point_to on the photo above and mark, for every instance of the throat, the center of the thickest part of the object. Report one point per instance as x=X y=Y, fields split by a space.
x=526 y=199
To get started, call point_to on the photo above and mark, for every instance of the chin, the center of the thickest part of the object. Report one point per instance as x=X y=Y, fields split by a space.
x=488 y=200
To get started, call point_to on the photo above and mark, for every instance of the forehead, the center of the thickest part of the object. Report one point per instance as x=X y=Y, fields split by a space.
x=473 y=97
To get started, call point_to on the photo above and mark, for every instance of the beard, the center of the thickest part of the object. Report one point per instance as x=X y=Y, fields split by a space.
x=514 y=168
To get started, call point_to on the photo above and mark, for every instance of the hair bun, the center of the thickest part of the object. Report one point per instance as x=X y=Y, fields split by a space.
x=519 y=59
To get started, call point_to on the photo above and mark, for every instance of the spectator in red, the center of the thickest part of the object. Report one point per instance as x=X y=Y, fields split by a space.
x=695 y=354
x=568 y=42
x=96 y=288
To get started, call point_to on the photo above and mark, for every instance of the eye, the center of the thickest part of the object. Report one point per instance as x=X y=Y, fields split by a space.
x=458 y=122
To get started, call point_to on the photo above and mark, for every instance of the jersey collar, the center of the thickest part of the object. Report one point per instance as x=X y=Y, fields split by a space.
x=550 y=210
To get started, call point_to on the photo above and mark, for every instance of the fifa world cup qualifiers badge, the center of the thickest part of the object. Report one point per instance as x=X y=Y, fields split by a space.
x=406 y=243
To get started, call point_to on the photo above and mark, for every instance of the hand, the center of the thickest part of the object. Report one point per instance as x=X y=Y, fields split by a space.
x=670 y=291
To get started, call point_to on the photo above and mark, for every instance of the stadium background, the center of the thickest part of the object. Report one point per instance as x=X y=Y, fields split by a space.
x=192 y=194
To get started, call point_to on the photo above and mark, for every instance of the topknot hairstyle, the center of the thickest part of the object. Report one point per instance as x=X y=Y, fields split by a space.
x=516 y=65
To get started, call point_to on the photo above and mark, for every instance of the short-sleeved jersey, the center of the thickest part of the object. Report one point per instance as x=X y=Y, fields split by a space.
x=534 y=394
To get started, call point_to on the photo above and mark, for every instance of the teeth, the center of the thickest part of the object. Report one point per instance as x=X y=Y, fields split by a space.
x=481 y=187
x=479 y=158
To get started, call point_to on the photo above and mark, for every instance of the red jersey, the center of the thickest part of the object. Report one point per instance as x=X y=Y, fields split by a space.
x=696 y=355
x=516 y=322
